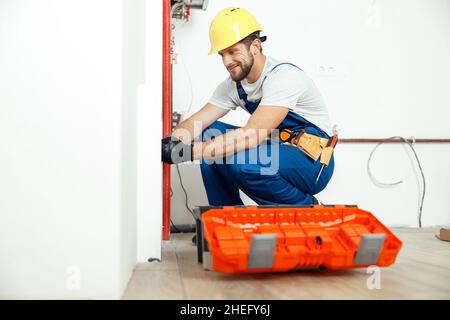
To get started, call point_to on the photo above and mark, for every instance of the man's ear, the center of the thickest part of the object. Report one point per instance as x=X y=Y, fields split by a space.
x=256 y=47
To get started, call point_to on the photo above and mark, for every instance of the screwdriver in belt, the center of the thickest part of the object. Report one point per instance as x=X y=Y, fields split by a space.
x=331 y=143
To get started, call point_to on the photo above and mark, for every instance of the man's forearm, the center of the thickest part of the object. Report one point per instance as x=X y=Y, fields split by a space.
x=230 y=143
x=187 y=131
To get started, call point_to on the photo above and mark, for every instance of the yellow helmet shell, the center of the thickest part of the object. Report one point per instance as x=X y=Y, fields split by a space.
x=230 y=26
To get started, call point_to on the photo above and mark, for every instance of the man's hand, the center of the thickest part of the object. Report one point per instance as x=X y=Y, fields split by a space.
x=173 y=151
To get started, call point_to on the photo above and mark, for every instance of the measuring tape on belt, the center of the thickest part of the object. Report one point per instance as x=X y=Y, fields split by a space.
x=313 y=146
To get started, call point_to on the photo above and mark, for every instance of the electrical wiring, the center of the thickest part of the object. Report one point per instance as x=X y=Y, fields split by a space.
x=185 y=193
x=179 y=6
x=175 y=227
x=191 y=87
x=390 y=185
x=183 y=228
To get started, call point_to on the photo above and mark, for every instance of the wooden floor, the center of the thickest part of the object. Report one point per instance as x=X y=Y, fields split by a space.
x=422 y=271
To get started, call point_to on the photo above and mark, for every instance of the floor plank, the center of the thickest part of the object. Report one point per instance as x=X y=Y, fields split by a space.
x=422 y=271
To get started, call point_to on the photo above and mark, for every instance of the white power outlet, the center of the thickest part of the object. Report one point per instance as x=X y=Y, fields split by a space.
x=328 y=70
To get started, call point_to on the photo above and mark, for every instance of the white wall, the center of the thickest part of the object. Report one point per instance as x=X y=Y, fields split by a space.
x=392 y=78
x=149 y=126
x=69 y=76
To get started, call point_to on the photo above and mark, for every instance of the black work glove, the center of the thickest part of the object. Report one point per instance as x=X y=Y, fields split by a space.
x=174 y=151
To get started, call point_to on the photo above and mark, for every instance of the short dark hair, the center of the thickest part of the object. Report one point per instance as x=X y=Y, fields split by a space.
x=252 y=36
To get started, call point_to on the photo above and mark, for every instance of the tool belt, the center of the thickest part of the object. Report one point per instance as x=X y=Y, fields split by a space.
x=313 y=146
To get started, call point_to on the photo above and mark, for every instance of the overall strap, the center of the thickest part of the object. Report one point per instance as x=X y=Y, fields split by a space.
x=280 y=64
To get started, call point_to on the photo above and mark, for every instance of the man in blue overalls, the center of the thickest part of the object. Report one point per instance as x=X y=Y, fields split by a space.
x=279 y=96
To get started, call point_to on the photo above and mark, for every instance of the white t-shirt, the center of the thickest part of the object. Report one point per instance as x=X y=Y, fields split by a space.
x=285 y=86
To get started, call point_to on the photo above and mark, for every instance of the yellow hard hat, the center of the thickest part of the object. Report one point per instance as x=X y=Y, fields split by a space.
x=230 y=26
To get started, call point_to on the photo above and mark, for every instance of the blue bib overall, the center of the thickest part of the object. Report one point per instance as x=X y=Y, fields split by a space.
x=291 y=181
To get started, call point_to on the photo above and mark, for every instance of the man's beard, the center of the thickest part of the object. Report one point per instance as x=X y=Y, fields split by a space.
x=246 y=68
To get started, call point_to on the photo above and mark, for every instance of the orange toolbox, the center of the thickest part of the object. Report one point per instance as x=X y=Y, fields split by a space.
x=250 y=239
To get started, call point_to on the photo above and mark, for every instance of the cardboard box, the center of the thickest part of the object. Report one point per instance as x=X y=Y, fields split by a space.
x=444 y=234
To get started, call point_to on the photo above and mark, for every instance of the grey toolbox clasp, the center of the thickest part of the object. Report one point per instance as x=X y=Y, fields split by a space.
x=369 y=249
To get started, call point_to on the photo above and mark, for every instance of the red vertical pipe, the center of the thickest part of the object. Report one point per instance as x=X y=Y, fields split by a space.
x=167 y=113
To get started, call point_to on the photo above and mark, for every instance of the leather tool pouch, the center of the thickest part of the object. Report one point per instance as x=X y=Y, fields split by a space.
x=311 y=145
